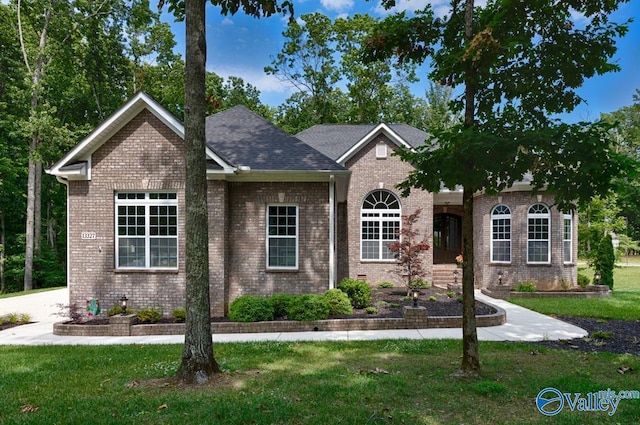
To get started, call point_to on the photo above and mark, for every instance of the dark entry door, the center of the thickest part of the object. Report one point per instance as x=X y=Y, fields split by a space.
x=447 y=238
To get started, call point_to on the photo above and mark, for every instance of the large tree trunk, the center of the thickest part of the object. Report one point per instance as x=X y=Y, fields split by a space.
x=470 y=355
x=33 y=184
x=30 y=227
x=37 y=217
x=198 y=362
x=2 y=284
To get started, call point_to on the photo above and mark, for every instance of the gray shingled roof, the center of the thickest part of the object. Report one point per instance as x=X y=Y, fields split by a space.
x=243 y=138
x=334 y=140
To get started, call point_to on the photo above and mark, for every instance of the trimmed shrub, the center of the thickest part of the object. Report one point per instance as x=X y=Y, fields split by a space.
x=308 y=307
x=371 y=310
x=358 y=291
x=179 y=315
x=250 y=308
x=117 y=309
x=604 y=261
x=149 y=315
x=280 y=303
x=385 y=285
x=338 y=301
x=526 y=287
x=583 y=281
x=420 y=283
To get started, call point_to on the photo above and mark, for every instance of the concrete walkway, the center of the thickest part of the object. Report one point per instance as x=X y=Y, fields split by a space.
x=44 y=309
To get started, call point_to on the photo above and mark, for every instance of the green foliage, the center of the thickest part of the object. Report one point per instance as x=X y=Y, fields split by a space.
x=432 y=298
x=149 y=315
x=605 y=260
x=308 y=307
x=420 y=283
x=358 y=291
x=371 y=310
x=583 y=280
x=280 y=303
x=117 y=309
x=385 y=285
x=600 y=216
x=600 y=334
x=338 y=302
x=179 y=315
x=526 y=287
x=250 y=308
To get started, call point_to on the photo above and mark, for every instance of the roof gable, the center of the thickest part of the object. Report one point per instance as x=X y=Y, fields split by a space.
x=76 y=164
x=341 y=142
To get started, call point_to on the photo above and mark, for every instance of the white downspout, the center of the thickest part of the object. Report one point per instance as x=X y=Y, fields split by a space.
x=332 y=232
x=65 y=182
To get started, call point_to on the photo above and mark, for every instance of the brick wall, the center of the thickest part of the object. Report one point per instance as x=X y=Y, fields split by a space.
x=143 y=156
x=370 y=173
x=546 y=276
x=247 y=268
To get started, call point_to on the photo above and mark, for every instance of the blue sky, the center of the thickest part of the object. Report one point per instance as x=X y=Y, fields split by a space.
x=242 y=46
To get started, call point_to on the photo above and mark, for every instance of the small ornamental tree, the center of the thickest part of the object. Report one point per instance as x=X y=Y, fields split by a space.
x=408 y=250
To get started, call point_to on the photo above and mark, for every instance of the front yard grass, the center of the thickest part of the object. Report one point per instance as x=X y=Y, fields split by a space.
x=624 y=303
x=324 y=383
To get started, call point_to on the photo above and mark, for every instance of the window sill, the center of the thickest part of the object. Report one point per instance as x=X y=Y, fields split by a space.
x=276 y=270
x=378 y=261
x=147 y=271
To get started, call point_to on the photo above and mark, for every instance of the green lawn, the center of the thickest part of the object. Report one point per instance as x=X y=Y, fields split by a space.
x=33 y=291
x=624 y=304
x=324 y=383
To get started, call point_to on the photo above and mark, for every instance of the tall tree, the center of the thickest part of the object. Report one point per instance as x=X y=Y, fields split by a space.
x=518 y=62
x=198 y=362
x=627 y=131
x=307 y=62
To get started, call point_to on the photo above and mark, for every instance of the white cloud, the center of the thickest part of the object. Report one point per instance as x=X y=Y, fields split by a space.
x=227 y=21
x=337 y=5
x=439 y=7
x=254 y=76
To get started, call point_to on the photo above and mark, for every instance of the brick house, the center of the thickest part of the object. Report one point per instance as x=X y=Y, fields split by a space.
x=287 y=214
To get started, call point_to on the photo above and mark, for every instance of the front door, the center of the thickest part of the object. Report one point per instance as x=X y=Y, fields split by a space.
x=447 y=238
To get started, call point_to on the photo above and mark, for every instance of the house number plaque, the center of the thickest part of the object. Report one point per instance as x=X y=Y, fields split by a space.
x=88 y=235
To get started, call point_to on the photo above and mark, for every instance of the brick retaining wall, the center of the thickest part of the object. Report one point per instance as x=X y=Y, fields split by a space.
x=414 y=318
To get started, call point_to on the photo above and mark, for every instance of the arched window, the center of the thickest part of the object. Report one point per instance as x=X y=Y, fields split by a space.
x=538 y=242
x=501 y=234
x=379 y=224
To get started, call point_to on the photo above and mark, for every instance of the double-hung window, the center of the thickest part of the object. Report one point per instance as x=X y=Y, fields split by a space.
x=567 y=240
x=146 y=230
x=538 y=242
x=380 y=225
x=501 y=234
x=282 y=236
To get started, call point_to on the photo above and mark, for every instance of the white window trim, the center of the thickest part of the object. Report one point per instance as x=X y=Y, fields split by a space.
x=570 y=240
x=546 y=215
x=381 y=150
x=502 y=217
x=147 y=203
x=296 y=237
x=379 y=219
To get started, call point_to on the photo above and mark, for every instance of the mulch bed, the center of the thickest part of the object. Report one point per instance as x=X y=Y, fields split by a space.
x=614 y=336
